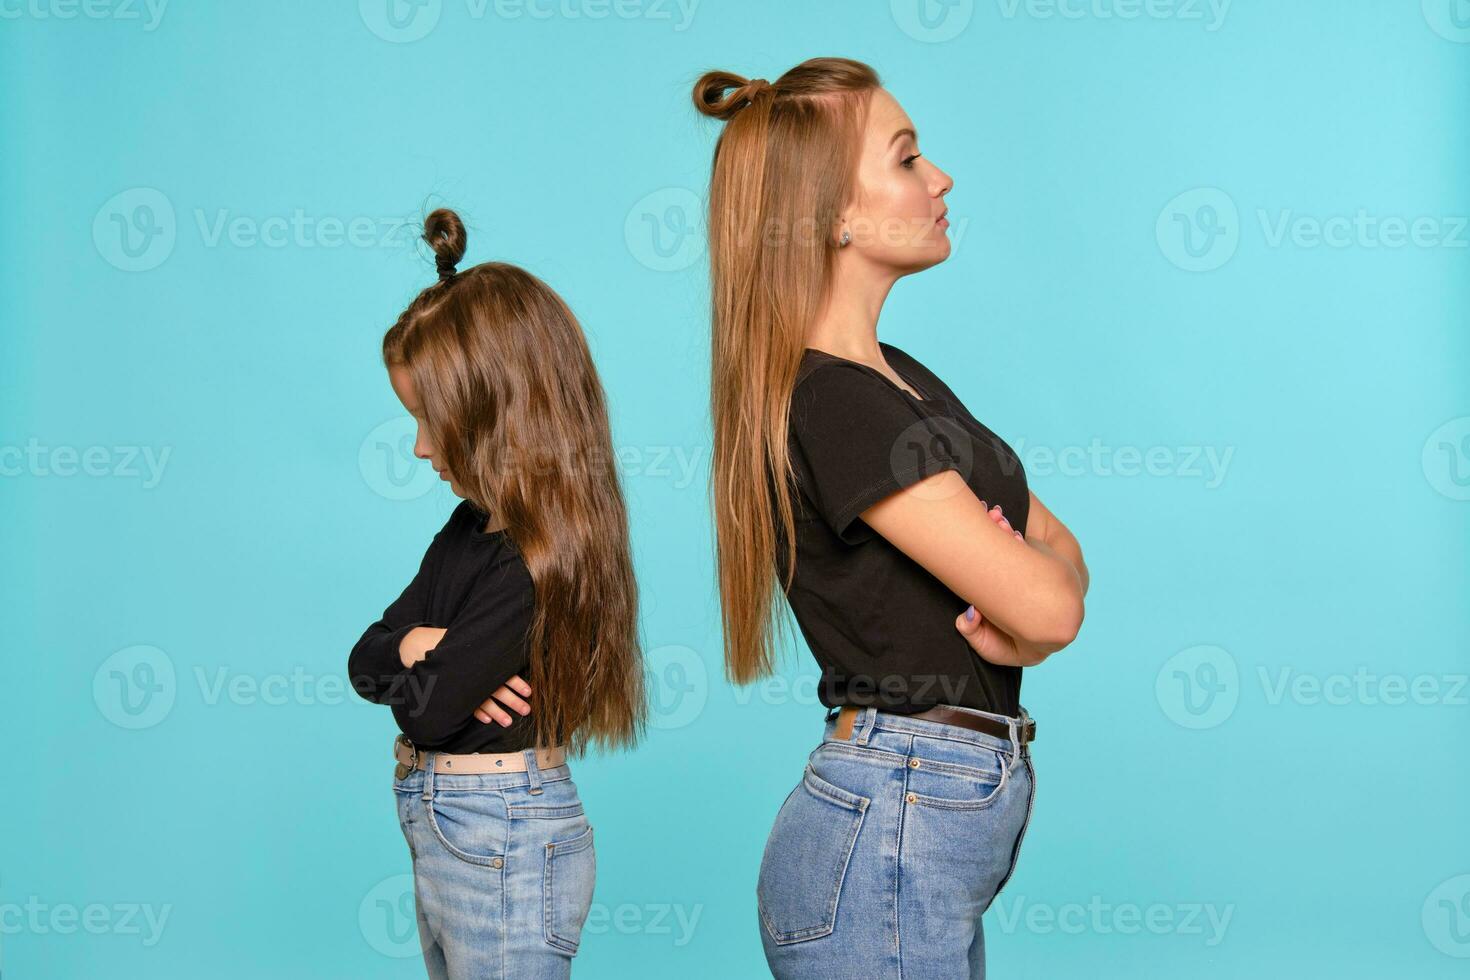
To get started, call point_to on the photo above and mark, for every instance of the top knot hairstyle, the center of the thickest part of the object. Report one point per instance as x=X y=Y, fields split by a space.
x=446 y=236
x=712 y=98
x=785 y=167
x=515 y=409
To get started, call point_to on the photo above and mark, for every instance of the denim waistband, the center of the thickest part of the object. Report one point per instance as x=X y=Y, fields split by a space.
x=425 y=781
x=871 y=720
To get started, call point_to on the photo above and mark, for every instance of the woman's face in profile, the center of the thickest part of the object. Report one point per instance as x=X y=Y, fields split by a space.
x=897 y=219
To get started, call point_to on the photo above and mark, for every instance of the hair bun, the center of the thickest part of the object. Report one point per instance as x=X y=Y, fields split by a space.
x=712 y=95
x=446 y=236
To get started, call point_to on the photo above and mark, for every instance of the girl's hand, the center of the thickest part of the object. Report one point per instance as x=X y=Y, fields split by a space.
x=417 y=643
x=510 y=694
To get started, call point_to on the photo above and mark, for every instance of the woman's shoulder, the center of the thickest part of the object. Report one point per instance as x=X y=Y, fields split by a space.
x=838 y=376
x=819 y=368
x=910 y=366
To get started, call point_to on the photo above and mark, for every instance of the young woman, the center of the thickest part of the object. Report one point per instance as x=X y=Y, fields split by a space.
x=529 y=579
x=852 y=472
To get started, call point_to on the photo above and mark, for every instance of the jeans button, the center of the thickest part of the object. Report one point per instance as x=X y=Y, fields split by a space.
x=912 y=798
x=497 y=863
x=913 y=763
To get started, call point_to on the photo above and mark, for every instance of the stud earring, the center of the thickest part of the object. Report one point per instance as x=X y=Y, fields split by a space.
x=846 y=237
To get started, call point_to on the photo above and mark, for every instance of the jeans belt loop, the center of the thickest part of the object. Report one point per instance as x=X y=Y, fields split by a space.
x=428 y=774
x=532 y=771
x=864 y=726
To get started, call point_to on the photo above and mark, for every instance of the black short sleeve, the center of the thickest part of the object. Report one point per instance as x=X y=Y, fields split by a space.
x=859 y=439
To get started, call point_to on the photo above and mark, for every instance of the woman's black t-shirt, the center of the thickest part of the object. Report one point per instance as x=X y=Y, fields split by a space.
x=475 y=585
x=879 y=624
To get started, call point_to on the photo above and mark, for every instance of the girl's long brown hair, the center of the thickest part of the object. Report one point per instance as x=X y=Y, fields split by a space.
x=515 y=407
x=784 y=167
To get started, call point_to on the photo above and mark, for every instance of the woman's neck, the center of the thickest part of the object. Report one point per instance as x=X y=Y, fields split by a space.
x=847 y=324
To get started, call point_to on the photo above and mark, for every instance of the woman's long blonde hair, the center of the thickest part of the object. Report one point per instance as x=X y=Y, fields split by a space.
x=515 y=408
x=784 y=167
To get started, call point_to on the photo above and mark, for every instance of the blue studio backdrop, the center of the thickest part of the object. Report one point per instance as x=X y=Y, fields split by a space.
x=1209 y=278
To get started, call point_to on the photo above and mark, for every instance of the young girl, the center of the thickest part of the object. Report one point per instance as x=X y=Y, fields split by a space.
x=853 y=472
x=529 y=579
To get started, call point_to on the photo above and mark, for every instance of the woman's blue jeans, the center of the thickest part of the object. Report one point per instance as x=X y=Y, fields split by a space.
x=503 y=870
x=895 y=841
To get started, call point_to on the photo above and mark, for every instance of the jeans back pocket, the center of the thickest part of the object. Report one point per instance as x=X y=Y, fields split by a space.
x=567 y=885
x=806 y=859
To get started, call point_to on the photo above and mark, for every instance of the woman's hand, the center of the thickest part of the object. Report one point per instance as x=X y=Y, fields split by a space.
x=988 y=641
x=995 y=515
x=511 y=694
x=417 y=643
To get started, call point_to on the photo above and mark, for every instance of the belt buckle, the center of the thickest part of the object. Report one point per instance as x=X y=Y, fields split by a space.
x=402 y=770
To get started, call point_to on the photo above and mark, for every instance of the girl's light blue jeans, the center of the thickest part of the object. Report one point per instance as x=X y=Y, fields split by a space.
x=503 y=870
x=894 y=842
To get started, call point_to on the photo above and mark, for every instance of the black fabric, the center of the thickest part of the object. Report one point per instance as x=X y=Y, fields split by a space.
x=476 y=586
x=879 y=624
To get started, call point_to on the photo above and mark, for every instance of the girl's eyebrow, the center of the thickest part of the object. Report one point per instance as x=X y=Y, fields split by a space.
x=910 y=132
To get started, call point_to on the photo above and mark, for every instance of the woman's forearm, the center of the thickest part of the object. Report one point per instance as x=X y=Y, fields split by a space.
x=1060 y=542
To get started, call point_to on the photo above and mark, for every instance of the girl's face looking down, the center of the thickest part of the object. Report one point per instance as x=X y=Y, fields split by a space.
x=423 y=443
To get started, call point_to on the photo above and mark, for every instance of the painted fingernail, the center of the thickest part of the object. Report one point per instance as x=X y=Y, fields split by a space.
x=970 y=615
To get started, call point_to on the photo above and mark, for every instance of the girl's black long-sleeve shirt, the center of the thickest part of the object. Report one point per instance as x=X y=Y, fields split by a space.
x=475 y=585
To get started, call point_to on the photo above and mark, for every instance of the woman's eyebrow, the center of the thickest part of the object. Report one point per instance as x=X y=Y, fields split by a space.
x=910 y=132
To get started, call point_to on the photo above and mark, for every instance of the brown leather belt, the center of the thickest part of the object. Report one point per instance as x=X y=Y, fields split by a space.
x=945 y=716
x=472 y=763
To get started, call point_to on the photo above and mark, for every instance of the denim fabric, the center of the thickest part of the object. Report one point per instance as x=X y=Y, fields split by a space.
x=503 y=871
x=895 y=841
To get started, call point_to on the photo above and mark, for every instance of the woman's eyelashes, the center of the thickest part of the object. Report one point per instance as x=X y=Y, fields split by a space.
x=908 y=161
